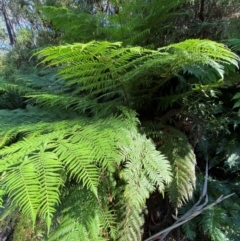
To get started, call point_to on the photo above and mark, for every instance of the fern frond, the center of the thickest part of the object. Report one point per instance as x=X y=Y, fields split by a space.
x=78 y=159
x=24 y=122
x=70 y=22
x=73 y=230
x=189 y=229
x=129 y=228
x=182 y=158
x=2 y=193
x=48 y=167
x=108 y=72
x=80 y=216
x=236 y=97
x=60 y=101
x=76 y=152
x=206 y=52
x=39 y=175
x=25 y=191
x=146 y=170
x=149 y=17
x=233 y=43
x=174 y=145
x=211 y=223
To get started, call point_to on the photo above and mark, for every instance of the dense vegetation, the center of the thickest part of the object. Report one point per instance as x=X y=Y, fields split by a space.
x=118 y=117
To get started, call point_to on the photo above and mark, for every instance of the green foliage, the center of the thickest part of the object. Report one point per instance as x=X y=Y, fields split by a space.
x=35 y=168
x=106 y=74
x=82 y=215
x=174 y=144
x=183 y=161
x=20 y=123
x=150 y=22
x=219 y=222
x=130 y=227
x=69 y=23
x=82 y=150
x=233 y=43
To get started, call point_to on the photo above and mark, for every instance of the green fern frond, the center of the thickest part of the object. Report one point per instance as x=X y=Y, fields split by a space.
x=2 y=193
x=108 y=72
x=73 y=230
x=48 y=167
x=78 y=159
x=211 y=223
x=206 y=74
x=69 y=23
x=219 y=222
x=182 y=158
x=145 y=170
x=60 y=101
x=81 y=217
x=21 y=123
x=174 y=145
x=192 y=51
x=108 y=223
x=236 y=98
x=189 y=229
x=233 y=43
x=75 y=152
x=149 y=17
x=39 y=173
x=129 y=228
x=25 y=191
x=169 y=100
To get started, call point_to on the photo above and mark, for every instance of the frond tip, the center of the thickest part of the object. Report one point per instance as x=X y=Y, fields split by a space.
x=183 y=161
x=194 y=52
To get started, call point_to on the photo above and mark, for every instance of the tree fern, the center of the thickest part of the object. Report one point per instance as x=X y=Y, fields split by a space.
x=108 y=74
x=72 y=151
x=75 y=21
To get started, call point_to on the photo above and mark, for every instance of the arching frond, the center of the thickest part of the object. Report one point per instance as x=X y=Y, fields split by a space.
x=23 y=187
x=146 y=170
x=174 y=145
x=78 y=151
x=182 y=158
x=104 y=72
x=233 y=43
x=81 y=217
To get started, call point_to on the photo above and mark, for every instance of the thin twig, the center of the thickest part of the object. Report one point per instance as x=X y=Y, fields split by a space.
x=192 y=213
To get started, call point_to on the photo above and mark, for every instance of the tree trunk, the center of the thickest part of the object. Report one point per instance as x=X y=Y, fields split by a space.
x=201 y=12
x=10 y=30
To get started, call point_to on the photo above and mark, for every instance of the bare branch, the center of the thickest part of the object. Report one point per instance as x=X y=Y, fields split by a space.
x=192 y=213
